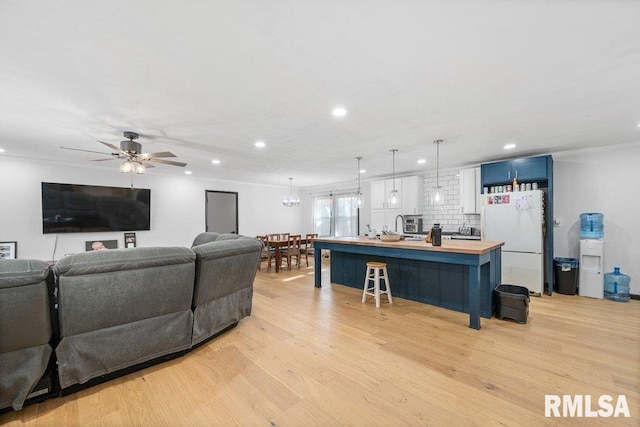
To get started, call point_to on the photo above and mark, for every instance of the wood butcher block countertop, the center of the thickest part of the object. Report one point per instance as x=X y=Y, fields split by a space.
x=472 y=247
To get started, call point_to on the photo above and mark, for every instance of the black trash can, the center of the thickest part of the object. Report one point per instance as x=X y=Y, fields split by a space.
x=566 y=275
x=512 y=301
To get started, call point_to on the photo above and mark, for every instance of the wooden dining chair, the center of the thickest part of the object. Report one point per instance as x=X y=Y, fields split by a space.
x=307 y=248
x=272 y=240
x=265 y=255
x=293 y=250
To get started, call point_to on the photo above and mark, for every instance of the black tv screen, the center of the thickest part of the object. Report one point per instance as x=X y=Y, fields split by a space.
x=73 y=208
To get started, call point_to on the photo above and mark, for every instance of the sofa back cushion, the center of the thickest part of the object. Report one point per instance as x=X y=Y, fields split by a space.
x=25 y=319
x=225 y=266
x=100 y=289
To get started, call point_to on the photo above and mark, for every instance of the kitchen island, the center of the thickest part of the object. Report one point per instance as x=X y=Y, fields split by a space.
x=460 y=275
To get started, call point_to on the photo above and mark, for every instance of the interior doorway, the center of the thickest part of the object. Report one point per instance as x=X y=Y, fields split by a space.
x=221 y=211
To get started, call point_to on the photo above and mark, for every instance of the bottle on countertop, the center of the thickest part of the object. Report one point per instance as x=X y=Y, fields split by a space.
x=515 y=184
x=436 y=235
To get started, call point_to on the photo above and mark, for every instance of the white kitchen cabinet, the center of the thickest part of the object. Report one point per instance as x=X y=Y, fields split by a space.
x=385 y=217
x=412 y=195
x=470 y=191
x=380 y=191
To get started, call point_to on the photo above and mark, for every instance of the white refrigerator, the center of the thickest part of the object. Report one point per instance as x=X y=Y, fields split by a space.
x=517 y=219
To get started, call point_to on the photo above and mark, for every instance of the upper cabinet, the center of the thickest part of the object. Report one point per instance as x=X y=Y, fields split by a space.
x=409 y=190
x=380 y=191
x=412 y=195
x=527 y=169
x=470 y=189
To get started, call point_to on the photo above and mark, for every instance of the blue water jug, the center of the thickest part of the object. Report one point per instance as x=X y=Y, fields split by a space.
x=616 y=286
x=591 y=225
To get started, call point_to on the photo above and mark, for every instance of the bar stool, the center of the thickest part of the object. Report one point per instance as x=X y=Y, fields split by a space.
x=374 y=270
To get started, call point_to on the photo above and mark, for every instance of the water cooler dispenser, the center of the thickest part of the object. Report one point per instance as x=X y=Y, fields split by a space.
x=591 y=272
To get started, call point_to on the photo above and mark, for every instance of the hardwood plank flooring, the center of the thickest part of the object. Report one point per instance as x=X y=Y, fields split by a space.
x=319 y=357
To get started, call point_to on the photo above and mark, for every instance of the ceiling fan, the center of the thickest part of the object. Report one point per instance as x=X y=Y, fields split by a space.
x=133 y=159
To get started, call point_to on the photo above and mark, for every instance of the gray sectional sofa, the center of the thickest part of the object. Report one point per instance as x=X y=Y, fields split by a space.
x=121 y=310
x=26 y=331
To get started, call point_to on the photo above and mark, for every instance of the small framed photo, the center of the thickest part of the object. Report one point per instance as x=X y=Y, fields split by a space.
x=129 y=240
x=8 y=250
x=98 y=245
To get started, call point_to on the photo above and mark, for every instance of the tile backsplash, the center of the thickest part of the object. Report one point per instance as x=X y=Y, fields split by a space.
x=448 y=215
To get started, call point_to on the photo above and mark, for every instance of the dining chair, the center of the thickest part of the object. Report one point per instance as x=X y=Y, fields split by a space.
x=272 y=245
x=265 y=255
x=293 y=250
x=308 y=249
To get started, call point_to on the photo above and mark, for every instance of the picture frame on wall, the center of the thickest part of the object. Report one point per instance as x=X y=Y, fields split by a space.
x=129 y=240
x=8 y=250
x=98 y=245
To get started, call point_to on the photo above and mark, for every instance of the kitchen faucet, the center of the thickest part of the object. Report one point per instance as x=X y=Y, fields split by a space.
x=396 y=223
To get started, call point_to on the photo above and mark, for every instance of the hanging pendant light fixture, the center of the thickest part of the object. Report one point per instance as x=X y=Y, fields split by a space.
x=394 y=194
x=291 y=200
x=437 y=198
x=359 y=193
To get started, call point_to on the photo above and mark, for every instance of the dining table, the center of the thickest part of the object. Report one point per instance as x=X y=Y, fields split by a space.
x=277 y=245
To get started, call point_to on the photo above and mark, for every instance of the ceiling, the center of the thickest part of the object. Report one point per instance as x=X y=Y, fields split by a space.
x=206 y=79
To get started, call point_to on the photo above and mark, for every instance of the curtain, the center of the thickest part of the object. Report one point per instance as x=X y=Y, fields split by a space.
x=335 y=215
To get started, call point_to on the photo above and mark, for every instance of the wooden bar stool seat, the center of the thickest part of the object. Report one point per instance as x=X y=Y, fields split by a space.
x=375 y=272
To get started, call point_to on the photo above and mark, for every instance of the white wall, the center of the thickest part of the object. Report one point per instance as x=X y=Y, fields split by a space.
x=607 y=181
x=177 y=207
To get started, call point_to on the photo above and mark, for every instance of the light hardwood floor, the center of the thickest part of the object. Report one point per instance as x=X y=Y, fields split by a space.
x=310 y=356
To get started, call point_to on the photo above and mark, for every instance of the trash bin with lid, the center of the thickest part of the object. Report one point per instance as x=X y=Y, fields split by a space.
x=566 y=275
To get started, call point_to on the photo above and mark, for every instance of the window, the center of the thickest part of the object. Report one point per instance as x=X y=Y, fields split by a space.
x=335 y=215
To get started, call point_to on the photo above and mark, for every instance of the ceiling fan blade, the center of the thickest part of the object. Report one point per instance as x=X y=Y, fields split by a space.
x=160 y=154
x=102 y=160
x=88 y=151
x=167 y=162
x=114 y=148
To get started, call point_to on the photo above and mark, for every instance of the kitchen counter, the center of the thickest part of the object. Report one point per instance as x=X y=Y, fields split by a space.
x=452 y=246
x=459 y=275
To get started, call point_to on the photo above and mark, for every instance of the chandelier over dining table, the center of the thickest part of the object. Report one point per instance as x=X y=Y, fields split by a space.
x=291 y=200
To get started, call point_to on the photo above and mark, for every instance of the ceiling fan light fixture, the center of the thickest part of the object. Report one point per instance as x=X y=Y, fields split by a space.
x=140 y=169
x=126 y=167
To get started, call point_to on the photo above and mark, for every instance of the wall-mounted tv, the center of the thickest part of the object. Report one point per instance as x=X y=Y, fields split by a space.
x=74 y=208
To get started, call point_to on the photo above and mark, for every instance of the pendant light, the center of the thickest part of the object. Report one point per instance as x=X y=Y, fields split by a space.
x=359 y=193
x=437 y=198
x=394 y=194
x=291 y=200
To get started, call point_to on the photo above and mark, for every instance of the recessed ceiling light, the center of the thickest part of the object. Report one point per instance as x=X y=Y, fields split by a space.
x=260 y=144
x=363 y=171
x=422 y=161
x=1 y=150
x=339 y=112
x=187 y=172
x=510 y=146
x=215 y=161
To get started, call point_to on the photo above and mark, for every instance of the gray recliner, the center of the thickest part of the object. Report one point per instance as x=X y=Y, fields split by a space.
x=120 y=308
x=226 y=265
x=25 y=329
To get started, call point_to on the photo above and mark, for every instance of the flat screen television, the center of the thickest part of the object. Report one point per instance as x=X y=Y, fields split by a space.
x=74 y=208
